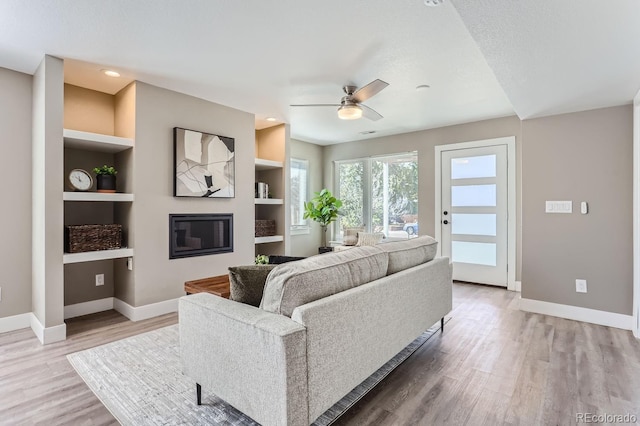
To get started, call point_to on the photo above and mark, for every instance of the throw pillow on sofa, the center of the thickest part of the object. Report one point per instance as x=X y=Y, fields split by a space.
x=350 y=235
x=247 y=283
x=369 y=239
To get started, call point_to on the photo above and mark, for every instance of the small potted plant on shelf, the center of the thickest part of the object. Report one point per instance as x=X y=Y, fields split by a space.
x=106 y=178
x=323 y=208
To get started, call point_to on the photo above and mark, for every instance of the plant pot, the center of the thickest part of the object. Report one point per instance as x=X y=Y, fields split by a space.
x=106 y=183
x=324 y=249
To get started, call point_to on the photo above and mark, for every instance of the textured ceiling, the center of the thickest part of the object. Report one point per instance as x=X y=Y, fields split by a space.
x=262 y=55
x=554 y=57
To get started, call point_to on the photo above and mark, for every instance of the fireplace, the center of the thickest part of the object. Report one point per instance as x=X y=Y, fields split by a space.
x=200 y=234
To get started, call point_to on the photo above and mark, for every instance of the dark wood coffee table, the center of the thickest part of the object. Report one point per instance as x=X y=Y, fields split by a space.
x=218 y=286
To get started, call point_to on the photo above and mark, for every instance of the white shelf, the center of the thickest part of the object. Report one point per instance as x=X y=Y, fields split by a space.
x=95 y=142
x=269 y=201
x=262 y=164
x=96 y=196
x=272 y=239
x=91 y=256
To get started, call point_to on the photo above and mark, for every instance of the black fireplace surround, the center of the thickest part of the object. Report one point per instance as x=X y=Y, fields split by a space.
x=200 y=234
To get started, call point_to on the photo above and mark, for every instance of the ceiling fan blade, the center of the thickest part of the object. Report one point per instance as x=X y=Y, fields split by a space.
x=316 y=105
x=369 y=113
x=371 y=89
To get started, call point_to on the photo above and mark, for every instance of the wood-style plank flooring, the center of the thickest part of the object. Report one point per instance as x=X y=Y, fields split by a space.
x=497 y=365
x=494 y=365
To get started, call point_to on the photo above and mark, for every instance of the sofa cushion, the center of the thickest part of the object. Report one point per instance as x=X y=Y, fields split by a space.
x=409 y=253
x=294 y=284
x=247 y=283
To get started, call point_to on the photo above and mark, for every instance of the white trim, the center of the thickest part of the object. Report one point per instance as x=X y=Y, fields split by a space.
x=97 y=196
x=144 y=312
x=593 y=316
x=300 y=231
x=518 y=286
x=48 y=335
x=95 y=141
x=510 y=142
x=636 y=215
x=15 y=322
x=86 y=308
x=90 y=256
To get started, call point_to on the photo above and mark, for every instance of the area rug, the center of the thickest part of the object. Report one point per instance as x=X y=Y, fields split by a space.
x=140 y=382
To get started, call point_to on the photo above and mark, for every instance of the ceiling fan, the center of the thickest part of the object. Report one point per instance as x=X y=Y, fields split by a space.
x=350 y=107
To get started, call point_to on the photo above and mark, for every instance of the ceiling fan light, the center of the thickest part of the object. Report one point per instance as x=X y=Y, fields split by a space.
x=349 y=112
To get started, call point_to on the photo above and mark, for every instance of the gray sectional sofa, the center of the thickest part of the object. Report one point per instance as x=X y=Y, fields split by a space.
x=324 y=325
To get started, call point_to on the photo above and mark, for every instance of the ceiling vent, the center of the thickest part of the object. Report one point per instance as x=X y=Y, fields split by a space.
x=433 y=3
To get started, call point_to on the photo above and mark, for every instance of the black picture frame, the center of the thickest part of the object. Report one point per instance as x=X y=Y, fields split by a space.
x=203 y=164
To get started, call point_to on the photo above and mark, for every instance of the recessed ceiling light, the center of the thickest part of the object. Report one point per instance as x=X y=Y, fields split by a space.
x=422 y=87
x=111 y=73
x=433 y=3
x=270 y=119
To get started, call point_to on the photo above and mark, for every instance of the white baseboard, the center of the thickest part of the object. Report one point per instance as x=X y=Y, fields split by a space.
x=140 y=313
x=15 y=322
x=86 y=308
x=48 y=335
x=519 y=286
x=593 y=316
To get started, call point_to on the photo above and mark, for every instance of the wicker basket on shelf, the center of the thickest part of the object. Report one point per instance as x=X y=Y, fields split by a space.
x=265 y=228
x=83 y=238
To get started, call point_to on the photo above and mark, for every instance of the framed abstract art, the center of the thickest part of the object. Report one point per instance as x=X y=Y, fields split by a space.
x=204 y=164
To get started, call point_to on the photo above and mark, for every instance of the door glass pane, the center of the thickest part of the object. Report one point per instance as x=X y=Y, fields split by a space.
x=473 y=195
x=473 y=167
x=476 y=253
x=473 y=224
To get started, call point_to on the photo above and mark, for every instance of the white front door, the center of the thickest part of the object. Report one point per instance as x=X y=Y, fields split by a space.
x=473 y=216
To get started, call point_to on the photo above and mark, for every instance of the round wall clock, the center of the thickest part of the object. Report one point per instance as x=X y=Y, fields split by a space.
x=80 y=180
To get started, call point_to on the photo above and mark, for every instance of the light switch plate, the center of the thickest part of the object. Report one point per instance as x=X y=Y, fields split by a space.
x=559 y=207
x=99 y=279
x=581 y=286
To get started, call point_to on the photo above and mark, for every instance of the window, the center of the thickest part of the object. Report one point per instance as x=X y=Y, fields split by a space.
x=299 y=194
x=380 y=193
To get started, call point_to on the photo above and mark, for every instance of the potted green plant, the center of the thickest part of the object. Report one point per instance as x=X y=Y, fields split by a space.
x=323 y=208
x=106 y=178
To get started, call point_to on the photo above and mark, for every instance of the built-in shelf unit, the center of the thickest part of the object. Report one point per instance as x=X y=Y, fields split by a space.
x=86 y=142
x=270 y=168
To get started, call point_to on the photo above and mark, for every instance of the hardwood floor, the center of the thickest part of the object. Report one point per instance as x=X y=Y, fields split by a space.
x=497 y=365
x=38 y=386
x=493 y=365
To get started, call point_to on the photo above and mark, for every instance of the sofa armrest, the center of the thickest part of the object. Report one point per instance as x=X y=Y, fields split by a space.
x=252 y=359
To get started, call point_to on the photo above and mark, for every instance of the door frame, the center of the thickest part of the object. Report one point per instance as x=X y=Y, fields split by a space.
x=636 y=216
x=510 y=142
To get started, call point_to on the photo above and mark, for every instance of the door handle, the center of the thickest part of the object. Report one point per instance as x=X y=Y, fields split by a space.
x=446 y=222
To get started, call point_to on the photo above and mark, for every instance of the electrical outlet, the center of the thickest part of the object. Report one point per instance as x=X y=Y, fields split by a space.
x=99 y=279
x=130 y=263
x=581 y=286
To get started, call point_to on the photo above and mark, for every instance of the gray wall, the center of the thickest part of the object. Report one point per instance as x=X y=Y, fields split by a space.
x=15 y=171
x=307 y=244
x=424 y=142
x=586 y=156
x=158 y=111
